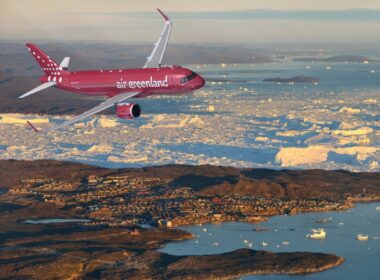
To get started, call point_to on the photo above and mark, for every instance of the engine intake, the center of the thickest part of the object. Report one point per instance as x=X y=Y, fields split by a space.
x=128 y=110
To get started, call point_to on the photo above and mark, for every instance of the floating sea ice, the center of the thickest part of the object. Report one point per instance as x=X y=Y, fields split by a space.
x=21 y=119
x=362 y=237
x=100 y=148
x=211 y=108
x=350 y=110
x=319 y=233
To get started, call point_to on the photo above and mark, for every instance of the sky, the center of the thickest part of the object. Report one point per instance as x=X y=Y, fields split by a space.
x=196 y=21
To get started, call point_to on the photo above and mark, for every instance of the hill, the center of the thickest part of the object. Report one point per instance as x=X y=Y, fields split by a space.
x=210 y=180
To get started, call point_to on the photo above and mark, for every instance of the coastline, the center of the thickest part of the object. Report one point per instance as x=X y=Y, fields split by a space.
x=186 y=248
x=40 y=190
x=266 y=218
x=348 y=204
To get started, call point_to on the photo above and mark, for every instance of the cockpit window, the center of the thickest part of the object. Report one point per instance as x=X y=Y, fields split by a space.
x=189 y=77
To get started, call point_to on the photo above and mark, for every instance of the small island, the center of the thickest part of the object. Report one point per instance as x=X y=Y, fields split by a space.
x=297 y=79
x=244 y=262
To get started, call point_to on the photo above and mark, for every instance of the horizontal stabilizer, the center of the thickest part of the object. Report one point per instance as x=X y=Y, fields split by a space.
x=39 y=88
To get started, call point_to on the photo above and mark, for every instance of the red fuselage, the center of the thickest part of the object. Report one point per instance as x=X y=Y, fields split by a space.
x=148 y=81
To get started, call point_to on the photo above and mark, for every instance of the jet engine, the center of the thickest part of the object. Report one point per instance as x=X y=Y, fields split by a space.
x=128 y=110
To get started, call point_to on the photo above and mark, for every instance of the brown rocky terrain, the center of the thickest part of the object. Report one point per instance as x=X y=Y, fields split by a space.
x=211 y=180
x=110 y=250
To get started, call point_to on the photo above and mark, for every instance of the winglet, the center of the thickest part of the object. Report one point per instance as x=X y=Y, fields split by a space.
x=164 y=15
x=32 y=126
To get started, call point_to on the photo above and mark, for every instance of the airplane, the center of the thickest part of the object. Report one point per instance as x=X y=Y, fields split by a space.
x=119 y=85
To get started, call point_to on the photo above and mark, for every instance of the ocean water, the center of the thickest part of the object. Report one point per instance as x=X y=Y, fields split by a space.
x=55 y=221
x=362 y=257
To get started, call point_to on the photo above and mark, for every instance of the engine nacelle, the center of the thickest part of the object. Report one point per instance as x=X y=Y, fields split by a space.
x=128 y=110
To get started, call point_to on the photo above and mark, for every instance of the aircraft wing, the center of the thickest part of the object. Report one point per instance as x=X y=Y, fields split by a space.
x=155 y=58
x=105 y=105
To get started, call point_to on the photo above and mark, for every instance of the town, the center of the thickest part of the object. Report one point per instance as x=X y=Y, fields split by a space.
x=129 y=200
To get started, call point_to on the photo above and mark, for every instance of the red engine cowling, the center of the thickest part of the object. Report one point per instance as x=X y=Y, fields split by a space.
x=128 y=110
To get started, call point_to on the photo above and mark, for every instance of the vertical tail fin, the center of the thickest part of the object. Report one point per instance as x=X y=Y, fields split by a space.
x=48 y=65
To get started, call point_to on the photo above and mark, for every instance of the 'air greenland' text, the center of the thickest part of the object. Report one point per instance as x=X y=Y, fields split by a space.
x=143 y=84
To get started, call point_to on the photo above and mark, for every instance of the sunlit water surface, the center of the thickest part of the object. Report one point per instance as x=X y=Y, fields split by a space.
x=362 y=257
